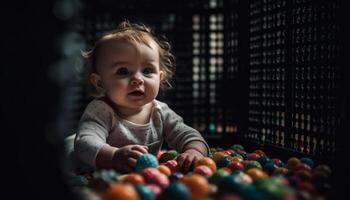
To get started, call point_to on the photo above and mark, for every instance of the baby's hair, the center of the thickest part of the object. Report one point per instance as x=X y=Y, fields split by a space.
x=135 y=34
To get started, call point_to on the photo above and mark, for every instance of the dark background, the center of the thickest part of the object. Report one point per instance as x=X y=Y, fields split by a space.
x=30 y=101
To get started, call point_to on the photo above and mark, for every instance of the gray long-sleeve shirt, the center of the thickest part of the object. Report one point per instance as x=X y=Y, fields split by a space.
x=100 y=124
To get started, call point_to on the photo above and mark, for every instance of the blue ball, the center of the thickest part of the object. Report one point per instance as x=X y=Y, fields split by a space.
x=175 y=191
x=263 y=160
x=146 y=160
x=307 y=161
x=144 y=192
x=223 y=162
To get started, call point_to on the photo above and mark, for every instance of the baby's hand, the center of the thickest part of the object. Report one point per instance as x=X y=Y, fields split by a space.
x=125 y=158
x=188 y=158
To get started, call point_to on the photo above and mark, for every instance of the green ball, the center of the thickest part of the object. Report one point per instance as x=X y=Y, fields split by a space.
x=169 y=155
x=218 y=175
x=252 y=164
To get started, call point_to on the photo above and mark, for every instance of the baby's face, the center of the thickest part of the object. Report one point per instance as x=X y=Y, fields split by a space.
x=130 y=75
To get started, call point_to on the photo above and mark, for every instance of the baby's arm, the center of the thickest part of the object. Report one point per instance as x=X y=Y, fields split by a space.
x=121 y=159
x=192 y=152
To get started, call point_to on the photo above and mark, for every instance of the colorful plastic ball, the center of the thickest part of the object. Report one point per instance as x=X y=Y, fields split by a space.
x=303 y=175
x=302 y=166
x=252 y=164
x=223 y=161
x=102 y=178
x=280 y=170
x=197 y=185
x=119 y=191
x=175 y=191
x=263 y=160
x=176 y=176
x=226 y=169
x=146 y=160
x=237 y=158
x=253 y=156
x=206 y=161
x=278 y=162
x=242 y=178
x=169 y=155
x=172 y=165
x=270 y=167
x=236 y=147
x=165 y=170
x=242 y=153
x=273 y=188
x=203 y=170
x=155 y=189
x=144 y=192
x=235 y=166
x=307 y=161
x=256 y=173
x=229 y=185
x=218 y=155
x=154 y=176
x=217 y=175
x=259 y=152
x=236 y=155
x=133 y=178
x=292 y=162
x=323 y=168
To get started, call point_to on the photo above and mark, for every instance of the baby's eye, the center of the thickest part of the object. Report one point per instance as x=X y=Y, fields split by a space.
x=122 y=71
x=147 y=71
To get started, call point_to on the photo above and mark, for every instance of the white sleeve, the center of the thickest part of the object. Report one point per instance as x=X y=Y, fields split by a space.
x=93 y=130
x=177 y=133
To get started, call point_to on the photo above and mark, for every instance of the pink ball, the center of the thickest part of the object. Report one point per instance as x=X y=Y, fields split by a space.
x=149 y=173
x=172 y=165
x=203 y=170
x=154 y=176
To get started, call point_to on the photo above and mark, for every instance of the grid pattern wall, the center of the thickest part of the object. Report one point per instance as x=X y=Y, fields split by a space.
x=316 y=76
x=267 y=72
x=294 y=75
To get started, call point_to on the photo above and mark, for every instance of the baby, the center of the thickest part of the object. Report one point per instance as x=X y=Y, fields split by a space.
x=128 y=66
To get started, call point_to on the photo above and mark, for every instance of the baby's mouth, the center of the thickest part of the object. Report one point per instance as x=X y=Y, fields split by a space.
x=137 y=93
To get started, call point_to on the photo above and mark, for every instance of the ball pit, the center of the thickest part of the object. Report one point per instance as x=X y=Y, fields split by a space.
x=225 y=174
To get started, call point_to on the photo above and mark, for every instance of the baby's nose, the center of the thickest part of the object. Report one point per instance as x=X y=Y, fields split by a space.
x=137 y=79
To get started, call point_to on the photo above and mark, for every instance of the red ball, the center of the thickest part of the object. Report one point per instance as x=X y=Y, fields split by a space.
x=235 y=166
x=253 y=156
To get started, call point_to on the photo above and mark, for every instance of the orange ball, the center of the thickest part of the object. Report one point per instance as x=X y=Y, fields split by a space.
x=259 y=152
x=134 y=179
x=256 y=173
x=120 y=191
x=164 y=170
x=197 y=185
x=206 y=161
x=281 y=170
x=236 y=158
x=218 y=155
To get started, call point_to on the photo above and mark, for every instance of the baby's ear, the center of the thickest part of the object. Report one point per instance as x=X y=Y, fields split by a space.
x=161 y=74
x=96 y=81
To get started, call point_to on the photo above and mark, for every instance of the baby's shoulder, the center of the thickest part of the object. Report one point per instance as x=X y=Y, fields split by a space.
x=99 y=105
